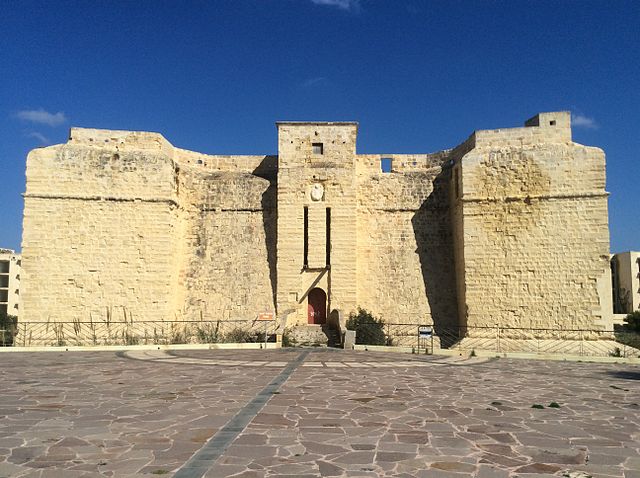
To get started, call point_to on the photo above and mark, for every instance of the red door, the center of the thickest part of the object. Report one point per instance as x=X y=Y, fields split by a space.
x=317 y=306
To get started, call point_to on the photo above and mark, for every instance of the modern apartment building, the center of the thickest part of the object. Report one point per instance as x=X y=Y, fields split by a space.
x=9 y=282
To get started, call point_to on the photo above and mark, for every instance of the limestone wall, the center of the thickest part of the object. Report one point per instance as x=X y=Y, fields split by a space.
x=228 y=245
x=405 y=254
x=99 y=232
x=535 y=240
x=260 y=165
x=119 y=221
x=508 y=228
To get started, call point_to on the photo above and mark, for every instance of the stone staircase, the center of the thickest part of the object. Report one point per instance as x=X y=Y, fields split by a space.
x=315 y=336
x=333 y=336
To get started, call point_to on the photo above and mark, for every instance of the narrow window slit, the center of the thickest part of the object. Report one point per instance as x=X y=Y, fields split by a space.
x=305 y=262
x=328 y=253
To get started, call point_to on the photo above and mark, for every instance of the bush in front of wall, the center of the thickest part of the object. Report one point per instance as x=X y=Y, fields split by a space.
x=369 y=329
x=8 y=323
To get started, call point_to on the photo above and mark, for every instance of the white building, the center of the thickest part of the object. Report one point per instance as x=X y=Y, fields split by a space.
x=625 y=273
x=9 y=282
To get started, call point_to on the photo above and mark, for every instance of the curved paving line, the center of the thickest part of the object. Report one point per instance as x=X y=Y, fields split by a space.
x=204 y=458
x=167 y=356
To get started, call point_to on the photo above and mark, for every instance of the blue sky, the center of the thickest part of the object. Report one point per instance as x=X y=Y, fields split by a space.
x=419 y=76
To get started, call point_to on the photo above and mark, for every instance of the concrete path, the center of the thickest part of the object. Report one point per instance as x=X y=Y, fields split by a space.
x=279 y=413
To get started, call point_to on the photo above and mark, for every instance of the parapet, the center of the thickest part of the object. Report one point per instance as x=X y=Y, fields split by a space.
x=558 y=119
x=120 y=140
x=316 y=123
x=553 y=127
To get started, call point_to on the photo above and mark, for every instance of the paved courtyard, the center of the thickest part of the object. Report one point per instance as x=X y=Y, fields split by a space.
x=310 y=413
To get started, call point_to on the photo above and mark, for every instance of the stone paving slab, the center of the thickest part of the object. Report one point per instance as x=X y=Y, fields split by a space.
x=338 y=414
x=97 y=414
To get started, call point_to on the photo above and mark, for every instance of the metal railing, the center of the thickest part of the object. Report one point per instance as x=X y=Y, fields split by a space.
x=157 y=332
x=582 y=342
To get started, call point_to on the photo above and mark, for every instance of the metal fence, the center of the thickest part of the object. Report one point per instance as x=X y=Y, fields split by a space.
x=160 y=332
x=582 y=342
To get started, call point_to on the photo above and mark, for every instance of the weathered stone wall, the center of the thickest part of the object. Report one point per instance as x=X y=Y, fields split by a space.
x=99 y=231
x=123 y=221
x=299 y=169
x=535 y=240
x=508 y=228
x=228 y=256
x=405 y=251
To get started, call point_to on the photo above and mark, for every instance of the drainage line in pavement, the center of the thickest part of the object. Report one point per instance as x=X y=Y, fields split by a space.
x=204 y=458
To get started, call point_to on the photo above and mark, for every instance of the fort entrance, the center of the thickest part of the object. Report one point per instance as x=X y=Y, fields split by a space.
x=317 y=309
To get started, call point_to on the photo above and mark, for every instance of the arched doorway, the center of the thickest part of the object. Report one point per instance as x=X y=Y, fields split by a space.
x=317 y=309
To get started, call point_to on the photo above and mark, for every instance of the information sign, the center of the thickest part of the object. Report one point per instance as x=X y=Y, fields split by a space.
x=265 y=316
x=425 y=331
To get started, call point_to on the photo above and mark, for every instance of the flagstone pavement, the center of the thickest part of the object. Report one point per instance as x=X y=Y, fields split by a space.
x=326 y=413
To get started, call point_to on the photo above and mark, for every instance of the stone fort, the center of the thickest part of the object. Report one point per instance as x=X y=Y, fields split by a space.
x=510 y=227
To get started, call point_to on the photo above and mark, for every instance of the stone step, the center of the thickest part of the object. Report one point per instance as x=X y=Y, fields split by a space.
x=333 y=337
x=314 y=336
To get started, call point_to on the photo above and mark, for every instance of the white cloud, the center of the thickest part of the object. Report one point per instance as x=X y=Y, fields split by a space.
x=42 y=117
x=582 y=121
x=353 y=5
x=309 y=82
x=40 y=137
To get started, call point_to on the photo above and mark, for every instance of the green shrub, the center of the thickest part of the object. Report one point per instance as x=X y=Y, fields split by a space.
x=129 y=338
x=238 y=335
x=8 y=323
x=178 y=334
x=287 y=339
x=632 y=321
x=616 y=352
x=369 y=330
x=629 y=333
x=208 y=333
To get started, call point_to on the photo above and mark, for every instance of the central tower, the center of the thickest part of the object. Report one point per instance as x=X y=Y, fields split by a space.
x=316 y=220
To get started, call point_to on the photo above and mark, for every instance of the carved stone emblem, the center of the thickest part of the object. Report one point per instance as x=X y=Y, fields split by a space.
x=317 y=192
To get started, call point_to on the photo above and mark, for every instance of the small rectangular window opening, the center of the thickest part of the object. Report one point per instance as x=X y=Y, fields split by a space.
x=318 y=148
x=552 y=122
x=328 y=220
x=305 y=262
x=386 y=164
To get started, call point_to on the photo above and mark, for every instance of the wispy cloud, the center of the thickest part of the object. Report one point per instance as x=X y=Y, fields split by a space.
x=582 y=121
x=42 y=117
x=309 y=82
x=352 y=5
x=39 y=136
